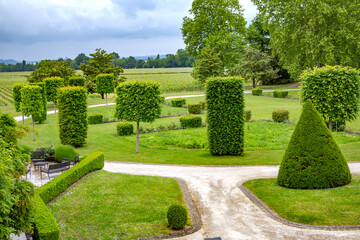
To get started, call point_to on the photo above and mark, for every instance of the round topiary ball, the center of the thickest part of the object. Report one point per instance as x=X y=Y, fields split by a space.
x=177 y=217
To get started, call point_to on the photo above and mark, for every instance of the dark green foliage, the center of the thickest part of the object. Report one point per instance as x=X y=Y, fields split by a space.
x=77 y=81
x=41 y=116
x=194 y=108
x=10 y=131
x=17 y=95
x=53 y=188
x=45 y=227
x=177 y=217
x=203 y=105
x=256 y=91
x=190 y=121
x=280 y=94
x=50 y=68
x=72 y=116
x=124 y=129
x=225 y=115
x=312 y=159
x=280 y=116
x=178 y=102
x=31 y=100
x=105 y=83
x=95 y=118
x=53 y=84
x=64 y=151
x=247 y=115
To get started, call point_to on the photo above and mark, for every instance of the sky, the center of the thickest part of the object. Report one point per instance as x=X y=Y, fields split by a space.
x=49 y=29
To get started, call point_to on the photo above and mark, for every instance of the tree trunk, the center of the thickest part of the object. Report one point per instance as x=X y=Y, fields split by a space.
x=330 y=124
x=55 y=108
x=254 y=83
x=137 y=136
x=23 y=119
x=102 y=95
x=33 y=128
x=106 y=101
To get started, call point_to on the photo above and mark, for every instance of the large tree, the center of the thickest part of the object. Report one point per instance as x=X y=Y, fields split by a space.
x=313 y=33
x=50 y=68
x=217 y=24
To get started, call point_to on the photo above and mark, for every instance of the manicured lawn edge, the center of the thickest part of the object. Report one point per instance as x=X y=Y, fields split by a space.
x=269 y=212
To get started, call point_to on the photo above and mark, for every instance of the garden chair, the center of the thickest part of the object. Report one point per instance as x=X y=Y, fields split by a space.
x=73 y=162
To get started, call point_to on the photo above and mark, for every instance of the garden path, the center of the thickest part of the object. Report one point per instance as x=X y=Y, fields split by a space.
x=225 y=211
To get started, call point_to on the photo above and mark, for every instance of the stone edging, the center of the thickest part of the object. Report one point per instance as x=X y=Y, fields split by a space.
x=269 y=212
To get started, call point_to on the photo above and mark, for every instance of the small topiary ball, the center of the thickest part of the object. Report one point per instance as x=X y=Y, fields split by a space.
x=177 y=217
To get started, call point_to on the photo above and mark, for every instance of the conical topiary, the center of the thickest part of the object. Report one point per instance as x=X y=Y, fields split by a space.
x=312 y=159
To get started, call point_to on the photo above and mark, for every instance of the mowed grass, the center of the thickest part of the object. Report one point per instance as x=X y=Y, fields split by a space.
x=116 y=206
x=332 y=207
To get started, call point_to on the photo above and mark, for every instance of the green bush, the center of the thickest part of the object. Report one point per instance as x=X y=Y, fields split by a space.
x=178 y=102
x=280 y=94
x=73 y=123
x=59 y=184
x=177 y=217
x=312 y=159
x=17 y=95
x=95 y=118
x=247 y=115
x=105 y=83
x=203 y=105
x=194 y=108
x=190 y=121
x=225 y=115
x=77 y=81
x=41 y=116
x=49 y=151
x=280 y=116
x=64 y=151
x=256 y=91
x=53 y=84
x=124 y=129
x=24 y=149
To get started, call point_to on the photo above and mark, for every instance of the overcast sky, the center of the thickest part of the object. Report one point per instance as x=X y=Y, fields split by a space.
x=49 y=29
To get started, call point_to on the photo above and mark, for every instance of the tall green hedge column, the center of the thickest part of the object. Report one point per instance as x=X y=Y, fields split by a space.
x=105 y=84
x=41 y=116
x=225 y=115
x=72 y=116
x=16 y=92
x=53 y=84
x=138 y=101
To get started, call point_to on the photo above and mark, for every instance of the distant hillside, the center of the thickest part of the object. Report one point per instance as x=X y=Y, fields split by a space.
x=8 y=61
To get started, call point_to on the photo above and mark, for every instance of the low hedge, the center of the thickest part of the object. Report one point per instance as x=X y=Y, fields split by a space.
x=194 y=108
x=256 y=91
x=45 y=227
x=124 y=129
x=95 y=118
x=247 y=115
x=178 y=102
x=280 y=116
x=190 y=121
x=280 y=94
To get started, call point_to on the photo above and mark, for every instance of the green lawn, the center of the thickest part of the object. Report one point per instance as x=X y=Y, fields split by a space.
x=336 y=206
x=116 y=206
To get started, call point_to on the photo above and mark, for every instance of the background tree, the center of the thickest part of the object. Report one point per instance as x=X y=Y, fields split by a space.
x=217 y=24
x=100 y=62
x=254 y=66
x=306 y=34
x=52 y=86
x=31 y=103
x=334 y=91
x=138 y=101
x=51 y=69
x=105 y=84
x=17 y=98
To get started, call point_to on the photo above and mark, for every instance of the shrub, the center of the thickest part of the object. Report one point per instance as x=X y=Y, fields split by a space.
x=41 y=115
x=312 y=159
x=24 y=149
x=256 y=91
x=203 y=105
x=280 y=116
x=177 y=217
x=178 y=102
x=280 y=94
x=64 y=151
x=247 y=115
x=72 y=116
x=125 y=129
x=190 y=121
x=17 y=95
x=194 y=108
x=77 y=81
x=225 y=115
x=95 y=118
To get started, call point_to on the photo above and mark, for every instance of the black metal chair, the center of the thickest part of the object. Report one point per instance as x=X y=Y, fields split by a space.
x=73 y=162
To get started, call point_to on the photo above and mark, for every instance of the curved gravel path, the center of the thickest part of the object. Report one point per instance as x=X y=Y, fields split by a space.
x=225 y=211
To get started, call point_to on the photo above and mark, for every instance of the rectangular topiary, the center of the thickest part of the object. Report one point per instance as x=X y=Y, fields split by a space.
x=280 y=116
x=194 y=108
x=247 y=115
x=280 y=94
x=77 y=81
x=190 y=121
x=124 y=129
x=178 y=102
x=256 y=91
x=95 y=118
x=225 y=115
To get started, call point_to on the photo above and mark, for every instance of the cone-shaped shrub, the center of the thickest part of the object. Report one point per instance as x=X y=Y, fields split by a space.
x=312 y=159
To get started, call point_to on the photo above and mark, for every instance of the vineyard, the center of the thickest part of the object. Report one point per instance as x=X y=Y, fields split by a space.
x=6 y=96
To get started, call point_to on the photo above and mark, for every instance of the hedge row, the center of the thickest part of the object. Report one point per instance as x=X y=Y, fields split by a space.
x=178 y=102
x=280 y=94
x=190 y=121
x=280 y=116
x=125 y=129
x=194 y=108
x=77 y=81
x=95 y=118
x=256 y=91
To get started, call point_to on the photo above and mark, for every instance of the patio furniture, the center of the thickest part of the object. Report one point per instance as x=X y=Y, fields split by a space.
x=28 y=170
x=40 y=165
x=59 y=167
x=38 y=156
x=73 y=162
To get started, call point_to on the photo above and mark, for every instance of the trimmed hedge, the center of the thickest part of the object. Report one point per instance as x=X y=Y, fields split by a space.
x=178 y=102
x=53 y=84
x=194 y=108
x=247 y=115
x=45 y=227
x=64 y=151
x=105 y=83
x=16 y=93
x=41 y=117
x=177 y=217
x=280 y=116
x=312 y=159
x=225 y=115
x=256 y=91
x=77 y=81
x=95 y=118
x=280 y=94
x=190 y=121
x=73 y=123
x=124 y=129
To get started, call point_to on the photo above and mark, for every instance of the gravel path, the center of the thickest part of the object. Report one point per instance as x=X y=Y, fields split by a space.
x=225 y=211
